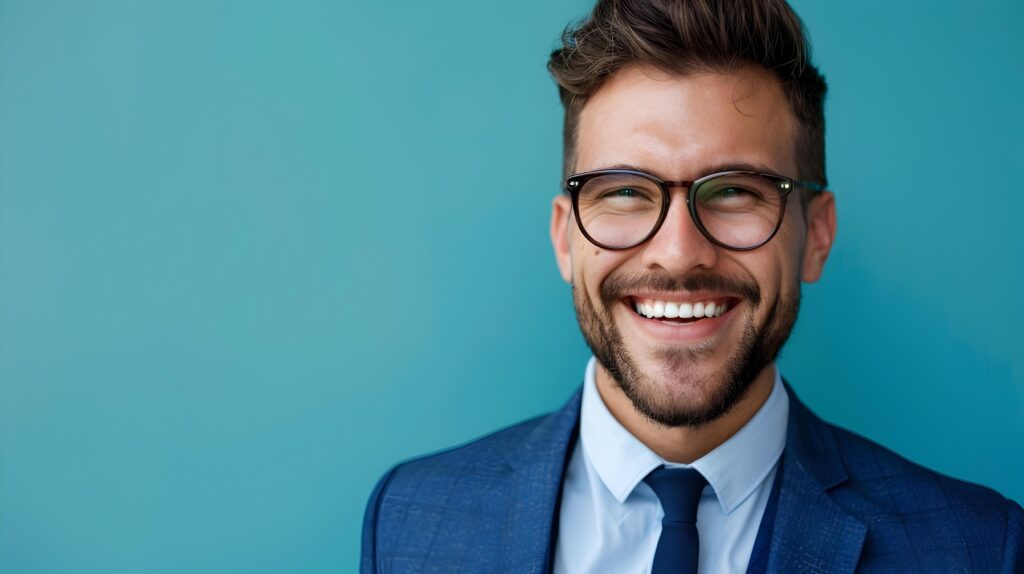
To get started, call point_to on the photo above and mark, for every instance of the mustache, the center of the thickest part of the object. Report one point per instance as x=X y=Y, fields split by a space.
x=619 y=285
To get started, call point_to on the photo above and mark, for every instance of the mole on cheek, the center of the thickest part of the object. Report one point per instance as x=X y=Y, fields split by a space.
x=597 y=252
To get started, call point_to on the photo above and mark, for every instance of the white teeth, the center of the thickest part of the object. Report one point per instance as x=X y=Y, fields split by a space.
x=652 y=308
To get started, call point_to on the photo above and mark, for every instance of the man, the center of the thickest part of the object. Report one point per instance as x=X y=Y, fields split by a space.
x=694 y=207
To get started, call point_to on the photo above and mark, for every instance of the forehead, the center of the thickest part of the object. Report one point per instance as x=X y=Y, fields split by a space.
x=681 y=127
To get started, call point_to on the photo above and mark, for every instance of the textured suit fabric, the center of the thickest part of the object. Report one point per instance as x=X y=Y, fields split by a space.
x=845 y=504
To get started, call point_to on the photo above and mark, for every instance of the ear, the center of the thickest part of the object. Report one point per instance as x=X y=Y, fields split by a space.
x=561 y=208
x=821 y=233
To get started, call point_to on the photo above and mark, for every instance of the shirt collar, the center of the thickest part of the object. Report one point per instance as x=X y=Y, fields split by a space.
x=734 y=469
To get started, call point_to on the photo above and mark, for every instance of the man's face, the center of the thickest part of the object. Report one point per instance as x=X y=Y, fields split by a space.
x=689 y=371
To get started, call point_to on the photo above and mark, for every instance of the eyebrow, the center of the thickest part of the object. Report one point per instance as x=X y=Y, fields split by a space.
x=705 y=170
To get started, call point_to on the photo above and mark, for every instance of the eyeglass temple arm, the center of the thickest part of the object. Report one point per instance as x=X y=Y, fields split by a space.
x=808 y=185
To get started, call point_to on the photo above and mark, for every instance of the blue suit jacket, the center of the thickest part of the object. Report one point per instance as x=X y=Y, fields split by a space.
x=845 y=504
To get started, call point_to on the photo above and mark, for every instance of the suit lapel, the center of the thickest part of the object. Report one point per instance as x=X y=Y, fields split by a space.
x=539 y=465
x=811 y=532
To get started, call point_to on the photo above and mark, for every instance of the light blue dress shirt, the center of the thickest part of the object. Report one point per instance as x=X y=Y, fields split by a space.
x=610 y=520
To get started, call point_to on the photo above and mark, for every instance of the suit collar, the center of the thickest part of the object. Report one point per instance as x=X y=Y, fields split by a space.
x=812 y=445
x=539 y=463
x=734 y=469
x=810 y=529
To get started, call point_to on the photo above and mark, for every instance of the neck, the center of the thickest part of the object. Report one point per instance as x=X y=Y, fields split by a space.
x=684 y=444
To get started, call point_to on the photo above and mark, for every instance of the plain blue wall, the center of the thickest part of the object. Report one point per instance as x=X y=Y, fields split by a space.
x=254 y=253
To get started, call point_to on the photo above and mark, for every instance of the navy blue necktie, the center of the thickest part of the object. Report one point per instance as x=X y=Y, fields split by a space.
x=679 y=490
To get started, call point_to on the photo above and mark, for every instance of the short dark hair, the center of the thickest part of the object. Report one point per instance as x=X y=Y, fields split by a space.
x=692 y=36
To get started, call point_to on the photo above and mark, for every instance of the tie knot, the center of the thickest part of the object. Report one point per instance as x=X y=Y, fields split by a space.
x=679 y=491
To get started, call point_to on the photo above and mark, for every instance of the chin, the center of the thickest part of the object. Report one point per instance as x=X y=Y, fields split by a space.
x=686 y=383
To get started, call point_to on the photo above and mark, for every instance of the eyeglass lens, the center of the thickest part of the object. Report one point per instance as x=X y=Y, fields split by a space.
x=739 y=210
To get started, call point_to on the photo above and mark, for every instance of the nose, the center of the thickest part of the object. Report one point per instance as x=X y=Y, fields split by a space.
x=679 y=247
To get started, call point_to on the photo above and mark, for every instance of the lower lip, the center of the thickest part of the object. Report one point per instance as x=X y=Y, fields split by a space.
x=694 y=332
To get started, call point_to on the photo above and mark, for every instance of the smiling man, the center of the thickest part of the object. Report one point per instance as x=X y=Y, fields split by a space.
x=694 y=206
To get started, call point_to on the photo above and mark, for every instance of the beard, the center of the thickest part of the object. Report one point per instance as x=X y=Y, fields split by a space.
x=756 y=348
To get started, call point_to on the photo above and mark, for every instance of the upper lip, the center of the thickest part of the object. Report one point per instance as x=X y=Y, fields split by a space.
x=686 y=297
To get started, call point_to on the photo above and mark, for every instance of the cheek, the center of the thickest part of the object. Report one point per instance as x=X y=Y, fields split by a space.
x=586 y=258
x=788 y=244
x=772 y=268
x=591 y=265
x=781 y=282
x=793 y=233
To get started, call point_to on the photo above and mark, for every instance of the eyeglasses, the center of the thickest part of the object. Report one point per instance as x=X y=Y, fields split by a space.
x=738 y=210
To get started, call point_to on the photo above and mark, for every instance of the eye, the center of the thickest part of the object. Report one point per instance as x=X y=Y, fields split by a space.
x=727 y=192
x=730 y=194
x=625 y=193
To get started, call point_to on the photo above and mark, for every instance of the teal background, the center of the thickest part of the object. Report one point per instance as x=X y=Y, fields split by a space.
x=254 y=253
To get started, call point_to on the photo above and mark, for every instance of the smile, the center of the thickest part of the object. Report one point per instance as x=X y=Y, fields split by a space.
x=680 y=311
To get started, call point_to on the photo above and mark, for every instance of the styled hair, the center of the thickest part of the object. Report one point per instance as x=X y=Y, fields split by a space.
x=693 y=36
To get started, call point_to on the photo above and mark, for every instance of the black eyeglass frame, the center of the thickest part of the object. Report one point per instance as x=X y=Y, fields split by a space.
x=574 y=183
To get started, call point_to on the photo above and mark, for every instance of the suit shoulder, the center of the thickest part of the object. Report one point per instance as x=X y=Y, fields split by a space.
x=482 y=456
x=893 y=480
x=542 y=437
x=909 y=507
x=447 y=500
